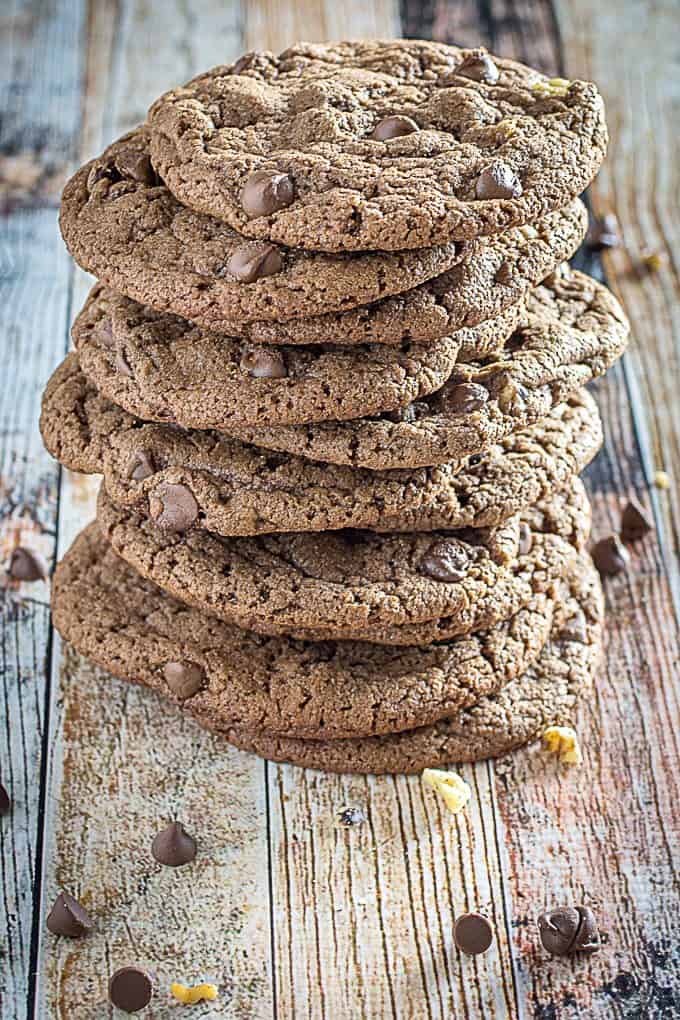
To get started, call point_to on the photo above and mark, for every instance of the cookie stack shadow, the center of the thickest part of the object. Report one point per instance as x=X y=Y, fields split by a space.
x=341 y=420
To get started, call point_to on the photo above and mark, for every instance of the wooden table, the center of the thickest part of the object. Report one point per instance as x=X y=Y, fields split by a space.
x=293 y=915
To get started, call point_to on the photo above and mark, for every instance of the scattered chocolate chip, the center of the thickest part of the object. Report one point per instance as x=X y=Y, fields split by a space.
x=253 y=260
x=352 y=816
x=635 y=523
x=265 y=192
x=184 y=678
x=173 y=506
x=412 y=412
x=603 y=232
x=498 y=181
x=5 y=801
x=463 y=398
x=575 y=628
x=121 y=364
x=479 y=67
x=130 y=989
x=242 y=63
x=393 y=127
x=610 y=556
x=141 y=466
x=567 y=930
x=25 y=565
x=136 y=165
x=68 y=918
x=445 y=561
x=526 y=539
x=262 y=363
x=472 y=933
x=174 y=846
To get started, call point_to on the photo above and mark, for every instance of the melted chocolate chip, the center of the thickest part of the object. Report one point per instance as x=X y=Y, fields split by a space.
x=253 y=260
x=472 y=933
x=479 y=67
x=130 y=989
x=393 y=127
x=173 y=506
x=265 y=192
x=445 y=560
x=262 y=363
x=463 y=398
x=141 y=466
x=136 y=165
x=498 y=181
x=635 y=523
x=173 y=846
x=102 y=172
x=610 y=556
x=567 y=930
x=67 y=917
x=184 y=678
x=24 y=565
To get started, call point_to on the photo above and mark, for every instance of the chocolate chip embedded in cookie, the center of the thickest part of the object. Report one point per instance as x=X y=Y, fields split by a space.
x=358 y=146
x=173 y=507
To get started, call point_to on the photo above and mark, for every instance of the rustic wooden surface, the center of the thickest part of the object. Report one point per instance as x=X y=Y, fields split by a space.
x=291 y=914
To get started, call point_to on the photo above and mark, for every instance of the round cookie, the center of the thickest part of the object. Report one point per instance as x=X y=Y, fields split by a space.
x=395 y=588
x=547 y=694
x=353 y=146
x=574 y=329
x=121 y=224
x=326 y=690
x=485 y=284
x=161 y=367
x=242 y=490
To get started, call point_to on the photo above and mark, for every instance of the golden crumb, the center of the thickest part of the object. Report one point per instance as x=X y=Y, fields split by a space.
x=551 y=87
x=563 y=741
x=653 y=260
x=194 y=994
x=661 y=480
x=450 y=786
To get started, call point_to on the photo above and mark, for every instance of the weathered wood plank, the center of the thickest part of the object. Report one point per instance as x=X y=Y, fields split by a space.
x=273 y=24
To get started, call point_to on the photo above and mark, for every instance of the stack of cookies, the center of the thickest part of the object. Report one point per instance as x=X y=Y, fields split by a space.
x=332 y=374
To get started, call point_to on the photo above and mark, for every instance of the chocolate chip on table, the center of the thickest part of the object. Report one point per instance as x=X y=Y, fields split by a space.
x=24 y=565
x=463 y=398
x=393 y=127
x=173 y=506
x=444 y=561
x=610 y=556
x=479 y=67
x=603 y=232
x=130 y=989
x=352 y=816
x=174 y=846
x=566 y=930
x=635 y=523
x=266 y=192
x=498 y=181
x=254 y=260
x=261 y=363
x=141 y=466
x=67 y=917
x=472 y=933
x=5 y=801
x=184 y=678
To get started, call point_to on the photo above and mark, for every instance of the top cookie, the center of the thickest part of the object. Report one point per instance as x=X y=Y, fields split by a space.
x=376 y=144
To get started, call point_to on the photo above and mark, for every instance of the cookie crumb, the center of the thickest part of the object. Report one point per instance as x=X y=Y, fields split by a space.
x=450 y=786
x=653 y=260
x=661 y=480
x=352 y=816
x=552 y=87
x=196 y=993
x=563 y=741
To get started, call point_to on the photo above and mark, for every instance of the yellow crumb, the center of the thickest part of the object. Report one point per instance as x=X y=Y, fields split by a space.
x=551 y=87
x=653 y=260
x=194 y=994
x=450 y=786
x=563 y=741
x=662 y=480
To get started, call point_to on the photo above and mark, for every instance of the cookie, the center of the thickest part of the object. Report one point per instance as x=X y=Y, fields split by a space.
x=574 y=329
x=353 y=146
x=121 y=224
x=325 y=690
x=547 y=694
x=393 y=588
x=242 y=490
x=485 y=284
x=161 y=367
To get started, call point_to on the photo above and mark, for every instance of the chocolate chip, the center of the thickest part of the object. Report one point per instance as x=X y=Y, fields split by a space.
x=141 y=466
x=68 y=918
x=634 y=523
x=24 y=565
x=472 y=933
x=603 y=233
x=498 y=181
x=479 y=67
x=242 y=63
x=265 y=192
x=5 y=801
x=173 y=506
x=463 y=398
x=174 y=846
x=130 y=989
x=610 y=556
x=184 y=678
x=254 y=260
x=261 y=363
x=102 y=172
x=121 y=364
x=567 y=930
x=445 y=561
x=526 y=539
x=352 y=816
x=412 y=412
x=103 y=333
x=393 y=127
x=136 y=165
x=575 y=628
x=503 y=275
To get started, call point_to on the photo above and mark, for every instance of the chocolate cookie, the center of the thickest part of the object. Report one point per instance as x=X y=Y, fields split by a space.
x=573 y=331
x=241 y=490
x=484 y=284
x=403 y=588
x=120 y=223
x=277 y=685
x=163 y=368
x=377 y=145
